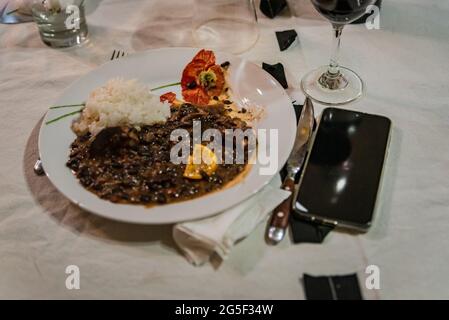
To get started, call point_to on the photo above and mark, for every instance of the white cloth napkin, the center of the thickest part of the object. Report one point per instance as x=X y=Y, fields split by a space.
x=199 y=239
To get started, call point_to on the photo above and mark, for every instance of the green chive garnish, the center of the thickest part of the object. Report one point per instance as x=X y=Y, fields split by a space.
x=69 y=106
x=166 y=86
x=63 y=116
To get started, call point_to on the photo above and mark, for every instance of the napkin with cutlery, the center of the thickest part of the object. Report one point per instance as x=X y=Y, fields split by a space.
x=200 y=239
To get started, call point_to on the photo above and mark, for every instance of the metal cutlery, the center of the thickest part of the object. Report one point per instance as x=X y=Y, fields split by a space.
x=279 y=221
x=117 y=54
x=38 y=169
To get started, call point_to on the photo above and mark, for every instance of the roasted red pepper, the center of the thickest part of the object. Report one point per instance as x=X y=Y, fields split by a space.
x=169 y=96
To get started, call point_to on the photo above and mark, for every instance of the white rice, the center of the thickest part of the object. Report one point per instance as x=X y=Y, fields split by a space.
x=121 y=102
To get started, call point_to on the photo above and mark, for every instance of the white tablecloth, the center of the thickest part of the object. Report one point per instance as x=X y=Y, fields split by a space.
x=405 y=68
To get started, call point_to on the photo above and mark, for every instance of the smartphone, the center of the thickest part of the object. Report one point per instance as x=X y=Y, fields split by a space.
x=342 y=173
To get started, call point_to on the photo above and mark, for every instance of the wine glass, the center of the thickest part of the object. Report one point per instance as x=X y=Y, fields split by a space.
x=334 y=84
x=225 y=25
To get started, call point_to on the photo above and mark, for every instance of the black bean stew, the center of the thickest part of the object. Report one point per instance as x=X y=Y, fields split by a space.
x=132 y=165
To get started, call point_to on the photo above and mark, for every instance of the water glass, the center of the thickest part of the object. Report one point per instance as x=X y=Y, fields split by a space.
x=61 y=23
x=225 y=25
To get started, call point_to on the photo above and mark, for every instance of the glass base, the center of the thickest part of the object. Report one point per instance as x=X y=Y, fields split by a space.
x=329 y=89
x=61 y=27
x=64 y=39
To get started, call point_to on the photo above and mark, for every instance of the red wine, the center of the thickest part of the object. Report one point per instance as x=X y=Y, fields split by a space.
x=342 y=11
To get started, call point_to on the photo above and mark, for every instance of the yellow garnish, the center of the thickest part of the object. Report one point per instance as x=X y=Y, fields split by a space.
x=202 y=161
x=208 y=79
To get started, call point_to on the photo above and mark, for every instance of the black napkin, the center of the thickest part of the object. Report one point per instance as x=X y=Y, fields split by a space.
x=307 y=232
x=277 y=71
x=332 y=287
x=271 y=8
x=286 y=38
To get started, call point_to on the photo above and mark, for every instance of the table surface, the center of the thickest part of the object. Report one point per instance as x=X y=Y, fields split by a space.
x=405 y=68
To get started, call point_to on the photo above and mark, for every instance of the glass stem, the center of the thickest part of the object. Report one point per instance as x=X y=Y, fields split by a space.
x=334 y=67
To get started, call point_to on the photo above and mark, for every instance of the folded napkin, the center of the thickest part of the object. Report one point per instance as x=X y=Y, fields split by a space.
x=345 y=287
x=200 y=239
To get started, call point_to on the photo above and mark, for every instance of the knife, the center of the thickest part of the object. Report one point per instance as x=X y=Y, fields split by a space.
x=280 y=217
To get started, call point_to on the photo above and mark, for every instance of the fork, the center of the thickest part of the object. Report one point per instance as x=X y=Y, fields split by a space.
x=38 y=168
x=117 y=54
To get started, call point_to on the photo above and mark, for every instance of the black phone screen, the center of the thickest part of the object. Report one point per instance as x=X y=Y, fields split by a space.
x=343 y=172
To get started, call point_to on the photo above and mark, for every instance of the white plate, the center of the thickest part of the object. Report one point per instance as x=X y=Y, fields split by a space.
x=251 y=85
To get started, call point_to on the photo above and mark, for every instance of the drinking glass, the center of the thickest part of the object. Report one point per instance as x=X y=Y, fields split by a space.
x=61 y=23
x=225 y=25
x=334 y=84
